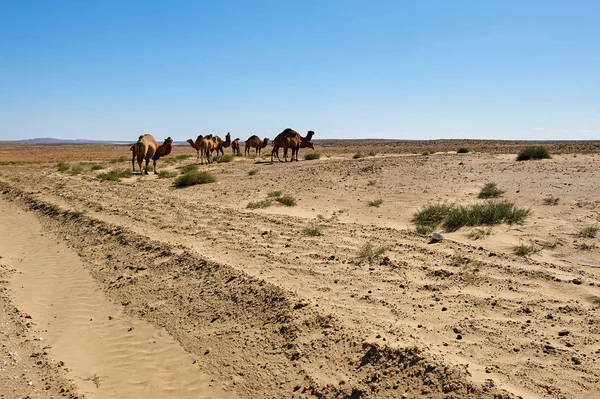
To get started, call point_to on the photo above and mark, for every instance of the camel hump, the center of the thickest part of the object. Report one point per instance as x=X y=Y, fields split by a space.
x=253 y=137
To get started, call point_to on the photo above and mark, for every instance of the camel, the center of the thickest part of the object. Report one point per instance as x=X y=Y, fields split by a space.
x=147 y=147
x=204 y=146
x=290 y=138
x=220 y=144
x=254 y=141
x=235 y=147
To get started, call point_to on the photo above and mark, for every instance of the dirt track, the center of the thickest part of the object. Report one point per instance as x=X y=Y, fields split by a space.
x=270 y=312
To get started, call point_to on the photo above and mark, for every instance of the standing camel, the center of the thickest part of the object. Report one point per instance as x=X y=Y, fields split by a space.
x=222 y=144
x=204 y=146
x=254 y=142
x=290 y=138
x=147 y=147
x=235 y=147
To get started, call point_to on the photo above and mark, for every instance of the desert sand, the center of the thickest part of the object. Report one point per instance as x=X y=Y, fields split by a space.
x=138 y=289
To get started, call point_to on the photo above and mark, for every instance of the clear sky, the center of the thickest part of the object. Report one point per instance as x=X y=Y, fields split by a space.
x=419 y=69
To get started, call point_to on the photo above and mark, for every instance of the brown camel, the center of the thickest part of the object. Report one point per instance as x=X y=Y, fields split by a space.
x=222 y=144
x=235 y=147
x=290 y=138
x=254 y=142
x=147 y=147
x=204 y=145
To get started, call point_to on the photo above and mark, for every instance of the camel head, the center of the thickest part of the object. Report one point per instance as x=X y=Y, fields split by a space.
x=307 y=144
x=168 y=141
x=265 y=142
x=309 y=135
x=190 y=141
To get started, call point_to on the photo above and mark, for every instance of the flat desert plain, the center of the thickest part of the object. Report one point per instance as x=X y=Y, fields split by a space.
x=137 y=289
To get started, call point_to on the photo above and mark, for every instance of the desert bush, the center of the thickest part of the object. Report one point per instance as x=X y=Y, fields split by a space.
x=550 y=200
x=372 y=182
x=166 y=174
x=425 y=153
x=252 y=172
x=194 y=177
x=224 y=158
x=259 y=204
x=456 y=216
x=189 y=168
x=479 y=233
x=424 y=229
x=62 y=166
x=96 y=166
x=76 y=169
x=583 y=246
x=376 y=202
x=286 y=200
x=115 y=175
x=533 y=152
x=311 y=156
x=357 y=155
x=312 y=231
x=274 y=194
x=372 y=153
x=462 y=150
x=369 y=253
x=490 y=190
x=588 y=232
x=525 y=249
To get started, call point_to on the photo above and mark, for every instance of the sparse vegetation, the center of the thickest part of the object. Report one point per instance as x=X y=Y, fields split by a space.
x=194 y=177
x=424 y=229
x=115 y=175
x=588 y=232
x=456 y=216
x=425 y=153
x=274 y=194
x=357 y=155
x=224 y=158
x=533 y=152
x=311 y=156
x=286 y=200
x=372 y=153
x=96 y=166
x=189 y=168
x=550 y=200
x=182 y=157
x=166 y=174
x=120 y=159
x=479 y=233
x=525 y=249
x=369 y=253
x=312 y=231
x=583 y=246
x=252 y=172
x=372 y=182
x=462 y=150
x=62 y=166
x=76 y=169
x=259 y=204
x=95 y=379
x=490 y=190
x=376 y=202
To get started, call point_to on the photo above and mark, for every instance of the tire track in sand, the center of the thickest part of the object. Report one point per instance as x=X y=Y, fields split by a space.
x=108 y=353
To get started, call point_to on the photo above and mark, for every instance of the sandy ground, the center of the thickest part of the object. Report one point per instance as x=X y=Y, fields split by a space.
x=263 y=310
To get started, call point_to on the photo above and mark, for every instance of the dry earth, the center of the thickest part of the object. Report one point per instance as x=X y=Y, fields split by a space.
x=246 y=304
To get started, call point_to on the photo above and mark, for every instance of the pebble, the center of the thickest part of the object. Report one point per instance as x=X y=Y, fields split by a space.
x=563 y=333
x=577 y=281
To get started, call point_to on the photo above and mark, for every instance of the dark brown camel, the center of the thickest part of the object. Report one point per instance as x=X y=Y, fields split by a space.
x=254 y=142
x=290 y=138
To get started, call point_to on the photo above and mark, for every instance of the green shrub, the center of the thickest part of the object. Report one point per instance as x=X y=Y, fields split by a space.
x=462 y=150
x=533 y=152
x=490 y=191
x=62 y=166
x=372 y=182
x=115 y=175
x=194 y=177
x=166 y=174
x=525 y=249
x=274 y=194
x=357 y=155
x=224 y=158
x=369 y=253
x=312 y=231
x=424 y=229
x=376 y=202
x=551 y=200
x=76 y=169
x=189 y=168
x=96 y=166
x=286 y=200
x=425 y=153
x=588 y=232
x=252 y=172
x=456 y=216
x=259 y=204
x=182 y=157
x=311 y=156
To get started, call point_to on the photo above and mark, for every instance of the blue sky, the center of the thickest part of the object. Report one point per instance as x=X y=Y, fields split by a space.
x=420 y=69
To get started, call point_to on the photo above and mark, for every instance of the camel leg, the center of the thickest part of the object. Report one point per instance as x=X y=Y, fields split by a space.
x=146 y=168
x=154 y=166
x=133 y=162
